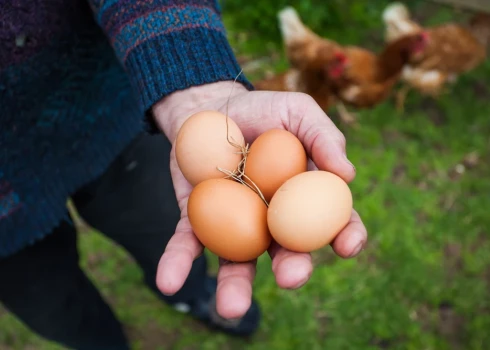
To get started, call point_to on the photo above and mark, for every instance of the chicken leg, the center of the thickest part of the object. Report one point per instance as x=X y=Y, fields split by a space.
x=401 y=96
x=346 y=117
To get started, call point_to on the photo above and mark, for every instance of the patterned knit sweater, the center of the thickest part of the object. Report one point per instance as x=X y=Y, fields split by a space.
x=76 y=79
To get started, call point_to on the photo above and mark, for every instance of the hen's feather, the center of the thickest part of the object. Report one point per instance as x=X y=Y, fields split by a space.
x=304 y=48
x=398 y=23
x=452 y=50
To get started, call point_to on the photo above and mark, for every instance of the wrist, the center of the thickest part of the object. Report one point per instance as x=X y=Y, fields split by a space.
x=172 y=111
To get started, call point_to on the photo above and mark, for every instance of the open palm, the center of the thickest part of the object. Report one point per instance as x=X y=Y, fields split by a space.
x=254 y=113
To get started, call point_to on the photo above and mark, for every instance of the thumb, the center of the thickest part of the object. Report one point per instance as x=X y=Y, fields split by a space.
x=184 y=247
x=176 y=262
x=182 y=187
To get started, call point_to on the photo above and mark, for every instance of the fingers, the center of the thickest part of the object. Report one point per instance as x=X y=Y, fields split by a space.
x=323 y=141
x=292 y=270
x=298 y=113
x=176 y=262
x=234 y=292
x=326 y=147
x=352 y=239
x=311 y=165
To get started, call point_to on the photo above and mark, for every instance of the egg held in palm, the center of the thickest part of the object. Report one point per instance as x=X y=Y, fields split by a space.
x=229 y=219
x=207 y=142
x=309 y=210
x=273 y=158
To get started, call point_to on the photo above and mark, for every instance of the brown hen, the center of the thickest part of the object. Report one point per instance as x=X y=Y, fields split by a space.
x=311 y=57
x=452 y=50
x=334 y=74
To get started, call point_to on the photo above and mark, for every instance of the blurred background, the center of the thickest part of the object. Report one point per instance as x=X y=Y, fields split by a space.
x=422 y=188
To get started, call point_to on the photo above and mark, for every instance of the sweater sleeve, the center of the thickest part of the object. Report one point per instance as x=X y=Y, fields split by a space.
x=167 y=46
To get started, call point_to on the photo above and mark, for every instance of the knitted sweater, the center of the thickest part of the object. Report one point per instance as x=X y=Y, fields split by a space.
x=76 y=79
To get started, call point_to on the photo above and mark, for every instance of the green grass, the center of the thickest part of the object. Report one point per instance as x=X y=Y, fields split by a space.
x=422 y=283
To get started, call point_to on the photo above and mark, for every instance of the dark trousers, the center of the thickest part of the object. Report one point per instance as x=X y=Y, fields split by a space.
x=133 y=203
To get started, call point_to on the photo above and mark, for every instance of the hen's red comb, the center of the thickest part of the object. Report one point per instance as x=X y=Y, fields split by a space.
x=340 y=57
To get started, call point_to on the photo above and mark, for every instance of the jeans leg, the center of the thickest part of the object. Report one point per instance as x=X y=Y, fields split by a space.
x=134 y=204
x=45 y=288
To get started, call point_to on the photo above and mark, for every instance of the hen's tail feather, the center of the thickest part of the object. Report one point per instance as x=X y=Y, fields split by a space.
x=480 y=27
x=395 y=12
x=398 y=22
x=291 y=26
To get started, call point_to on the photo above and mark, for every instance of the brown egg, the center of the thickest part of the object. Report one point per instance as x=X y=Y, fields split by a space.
x=309 y=210
x=274 y=157
x=229 y=219
x=202 y=146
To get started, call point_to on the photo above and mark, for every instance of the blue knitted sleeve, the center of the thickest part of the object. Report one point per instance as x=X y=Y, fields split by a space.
x=167 y=46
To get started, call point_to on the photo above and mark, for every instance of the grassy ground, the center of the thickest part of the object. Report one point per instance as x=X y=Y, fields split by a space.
x=422 y=188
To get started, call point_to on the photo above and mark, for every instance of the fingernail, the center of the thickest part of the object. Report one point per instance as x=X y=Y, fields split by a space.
x=301 y=283
x=348 y=161
x=357 y=250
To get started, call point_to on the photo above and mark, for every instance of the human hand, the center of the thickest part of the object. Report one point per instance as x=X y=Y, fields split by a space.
x=254 y=113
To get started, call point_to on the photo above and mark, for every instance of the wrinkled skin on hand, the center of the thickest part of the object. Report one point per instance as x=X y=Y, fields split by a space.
x=255 y=112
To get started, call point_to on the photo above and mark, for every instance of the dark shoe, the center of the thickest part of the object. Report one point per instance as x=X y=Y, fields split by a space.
x=204 y=309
